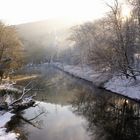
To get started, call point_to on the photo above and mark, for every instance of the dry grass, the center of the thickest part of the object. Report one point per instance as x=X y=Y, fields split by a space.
x=24 y=77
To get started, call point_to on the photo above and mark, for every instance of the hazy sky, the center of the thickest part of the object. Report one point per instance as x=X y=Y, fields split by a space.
x=21 y=11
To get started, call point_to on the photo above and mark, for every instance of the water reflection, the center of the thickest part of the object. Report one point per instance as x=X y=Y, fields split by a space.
x=59 y=123
x=75 y=110
x=109 y=117
x=19 y=123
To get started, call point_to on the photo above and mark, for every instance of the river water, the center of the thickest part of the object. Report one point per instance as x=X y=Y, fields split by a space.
x=72 y=109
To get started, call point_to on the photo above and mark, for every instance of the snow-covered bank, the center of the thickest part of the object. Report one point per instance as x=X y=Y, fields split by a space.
x=121 y=85
x=84 y=72
x=9 y=87
x=8 y=106
x=4 y=119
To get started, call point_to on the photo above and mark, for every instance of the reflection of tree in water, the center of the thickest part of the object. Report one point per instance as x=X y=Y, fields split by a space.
x=109 y=118
x=19 y=122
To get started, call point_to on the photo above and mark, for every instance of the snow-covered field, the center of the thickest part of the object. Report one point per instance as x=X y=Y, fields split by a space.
x=120 y=85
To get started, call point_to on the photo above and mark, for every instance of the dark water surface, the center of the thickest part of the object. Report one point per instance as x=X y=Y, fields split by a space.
x=72 y=109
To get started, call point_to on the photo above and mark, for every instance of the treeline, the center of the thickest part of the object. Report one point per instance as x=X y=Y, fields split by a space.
x=11 y=50
x=109 y=44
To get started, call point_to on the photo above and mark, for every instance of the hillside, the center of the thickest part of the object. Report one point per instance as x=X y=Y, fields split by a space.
x=41 y=37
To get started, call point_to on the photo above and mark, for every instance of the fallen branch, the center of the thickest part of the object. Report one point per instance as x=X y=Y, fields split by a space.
x=25 y=91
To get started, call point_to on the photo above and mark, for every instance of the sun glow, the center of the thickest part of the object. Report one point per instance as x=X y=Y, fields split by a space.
x=126 y=11
x=20 y=11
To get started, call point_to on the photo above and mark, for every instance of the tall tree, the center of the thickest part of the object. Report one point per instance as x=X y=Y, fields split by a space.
x=10 y=48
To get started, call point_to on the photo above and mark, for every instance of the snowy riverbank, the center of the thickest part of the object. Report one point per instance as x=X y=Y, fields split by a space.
x=8 y=104
x=123 y=86
x=84 y=72
x=8 y=87
x=4 y=119
x=120 y=85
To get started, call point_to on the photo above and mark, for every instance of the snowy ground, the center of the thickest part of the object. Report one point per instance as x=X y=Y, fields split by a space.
x=9 y=87
x=123 y=86
x=84 y=72
x=4 y=118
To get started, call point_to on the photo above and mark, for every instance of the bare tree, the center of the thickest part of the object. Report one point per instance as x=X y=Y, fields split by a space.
x=114 y=46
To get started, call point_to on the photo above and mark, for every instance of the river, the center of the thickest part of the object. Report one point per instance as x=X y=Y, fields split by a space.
x=72 y=109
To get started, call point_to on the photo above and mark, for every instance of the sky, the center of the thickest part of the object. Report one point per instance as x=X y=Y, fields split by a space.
x=23 y=11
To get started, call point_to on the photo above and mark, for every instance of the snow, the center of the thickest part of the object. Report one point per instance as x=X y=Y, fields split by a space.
x=84 y=72
x=7 y=136
x=4 y=118
x=9 y=99
x=27 y=100
x=8 y=86
x=123 y=86
x=117 y=84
